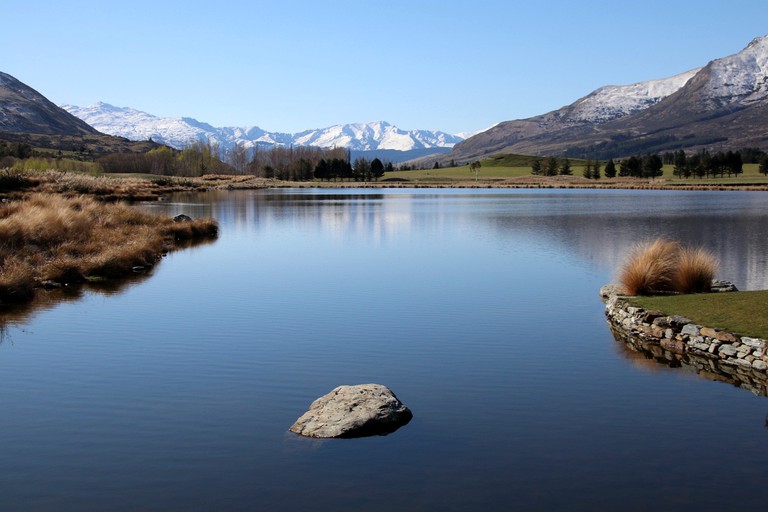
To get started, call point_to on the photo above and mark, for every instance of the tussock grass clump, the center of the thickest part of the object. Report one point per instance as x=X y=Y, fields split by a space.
x=650 y=267
x=695 y=270
x=16 y=280
x=50 y=237
x=664 y=266
x=14 y=180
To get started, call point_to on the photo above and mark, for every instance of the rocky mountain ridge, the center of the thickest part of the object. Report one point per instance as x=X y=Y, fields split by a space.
x=182 y=131
x=720 y=106
x=24 y=110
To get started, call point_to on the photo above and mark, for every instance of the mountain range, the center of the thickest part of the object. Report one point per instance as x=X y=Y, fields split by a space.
x=180 y=132
x=723 y=105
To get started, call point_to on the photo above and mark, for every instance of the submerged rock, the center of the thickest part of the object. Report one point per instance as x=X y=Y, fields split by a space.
x=610 y=290
x=353 y=411
x=723 y=286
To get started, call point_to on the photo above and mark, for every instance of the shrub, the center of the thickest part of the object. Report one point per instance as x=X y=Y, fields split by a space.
x=695 y=270
x=650 y=267
x=13 y=180
x=664 y=266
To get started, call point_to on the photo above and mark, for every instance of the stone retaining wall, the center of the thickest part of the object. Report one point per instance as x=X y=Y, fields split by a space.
x=679 y=335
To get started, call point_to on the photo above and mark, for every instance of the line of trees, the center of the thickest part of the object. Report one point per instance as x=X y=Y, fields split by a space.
x=284 y=163
x=196 y=160
x=704 y=165
x=301 y=163
x=554 y=166
x=699 y=165
x=304 y=163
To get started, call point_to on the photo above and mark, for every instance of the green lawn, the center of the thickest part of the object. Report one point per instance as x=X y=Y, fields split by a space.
x=460 y=173
x=743 y=313
x=499 y=167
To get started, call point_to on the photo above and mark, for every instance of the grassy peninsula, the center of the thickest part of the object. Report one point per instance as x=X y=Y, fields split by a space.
x=663 y=275
x=54 y=233
x=739 y=312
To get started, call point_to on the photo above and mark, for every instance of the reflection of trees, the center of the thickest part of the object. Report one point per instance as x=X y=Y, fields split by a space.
x=371 y=214
x=596 y=226
x=601 y=228
x=653 y=357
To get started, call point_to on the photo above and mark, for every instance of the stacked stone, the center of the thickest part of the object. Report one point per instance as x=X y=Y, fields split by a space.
x=679 y=335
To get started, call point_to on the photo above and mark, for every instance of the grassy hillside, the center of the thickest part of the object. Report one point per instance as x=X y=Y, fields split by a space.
x=82 y=147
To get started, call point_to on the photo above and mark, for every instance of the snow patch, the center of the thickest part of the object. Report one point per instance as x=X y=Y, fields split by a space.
x=615 y=101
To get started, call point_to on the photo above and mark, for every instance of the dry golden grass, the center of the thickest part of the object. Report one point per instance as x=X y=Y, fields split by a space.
x=696 y=267
x=649 y=267
x=50 y=237
x=664 y=266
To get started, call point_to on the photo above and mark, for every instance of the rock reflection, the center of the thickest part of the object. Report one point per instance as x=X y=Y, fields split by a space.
x=653 y=357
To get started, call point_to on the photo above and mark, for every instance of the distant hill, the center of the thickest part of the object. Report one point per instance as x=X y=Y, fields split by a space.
x=24 y=110
x=29 y=117
x=720 y=106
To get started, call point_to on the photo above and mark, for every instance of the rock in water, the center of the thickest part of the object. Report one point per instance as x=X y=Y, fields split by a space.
x=723 y=286
x=353 y=411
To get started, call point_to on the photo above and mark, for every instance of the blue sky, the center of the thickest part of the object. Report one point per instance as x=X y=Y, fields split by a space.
x=294 y=65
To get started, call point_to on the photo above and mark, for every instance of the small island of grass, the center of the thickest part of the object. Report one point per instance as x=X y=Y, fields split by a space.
x=665 y=276
x=740 y=312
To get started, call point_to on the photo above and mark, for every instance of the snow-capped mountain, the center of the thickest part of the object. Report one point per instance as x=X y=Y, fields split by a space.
x=615 y=101
x=721 y=106
x=739 y=79
x=180 y=132
x=373 y=136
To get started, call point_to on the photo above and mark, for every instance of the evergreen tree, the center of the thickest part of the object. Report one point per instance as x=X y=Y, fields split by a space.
x=763 y=165
x=587 y=169
x=322 y=170
x=630 y=167
x=624 y=168
x=681 y=164
x=735 y=163
x=377 y=169
x=361 y=169
x=610 y=169
x=652 y=166
x=596 y=170
x=536 y=167
x=705 y=164
x=552 y=166
x=565 y=168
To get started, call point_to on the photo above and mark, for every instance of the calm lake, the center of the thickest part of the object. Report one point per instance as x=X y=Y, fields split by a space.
x=478 y=308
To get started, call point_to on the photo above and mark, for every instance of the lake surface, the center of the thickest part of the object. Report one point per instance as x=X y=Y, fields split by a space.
x=479 y=308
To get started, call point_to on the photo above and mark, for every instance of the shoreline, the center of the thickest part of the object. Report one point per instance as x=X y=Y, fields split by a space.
x=54 y=241
x=676 y=341
x=508 y=183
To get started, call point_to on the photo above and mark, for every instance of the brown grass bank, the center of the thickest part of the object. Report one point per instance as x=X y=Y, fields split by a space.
x=52 y=240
